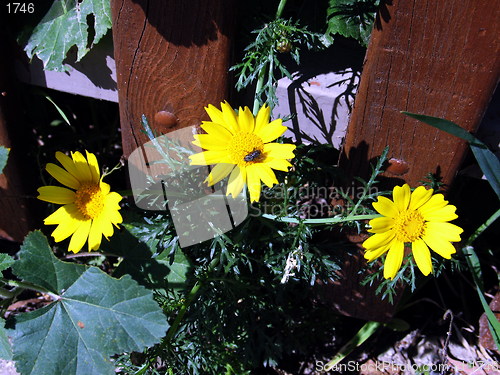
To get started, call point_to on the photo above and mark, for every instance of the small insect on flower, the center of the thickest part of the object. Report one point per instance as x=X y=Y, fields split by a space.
x=240 y=145
x=252 y=155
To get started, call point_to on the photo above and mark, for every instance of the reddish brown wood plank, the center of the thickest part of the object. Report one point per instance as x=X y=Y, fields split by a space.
x=18 y=210
x=171 y=55
x=438 y=58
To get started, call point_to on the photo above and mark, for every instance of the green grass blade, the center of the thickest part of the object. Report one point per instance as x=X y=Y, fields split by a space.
x=363 y=334
x=482 y=228
x=474 y=266
x=488 y=162
x=58 y=109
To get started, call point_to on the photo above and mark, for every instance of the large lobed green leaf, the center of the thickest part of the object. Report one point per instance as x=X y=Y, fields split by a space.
x=64 y=26
x=93 y=316
x=4 y=154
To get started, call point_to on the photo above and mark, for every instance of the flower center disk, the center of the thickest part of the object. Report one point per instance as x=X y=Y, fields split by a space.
x=89 y=200
x=409 y=226
x=245 y=148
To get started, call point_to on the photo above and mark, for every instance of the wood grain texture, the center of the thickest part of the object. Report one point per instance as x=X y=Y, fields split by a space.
x=438 y=58
x=171 y=55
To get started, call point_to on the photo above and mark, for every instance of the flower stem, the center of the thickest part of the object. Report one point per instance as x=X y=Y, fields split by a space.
x=258 y=88
x=281 y=6
x=331 y=220
x=187 y=302
x=262 y=73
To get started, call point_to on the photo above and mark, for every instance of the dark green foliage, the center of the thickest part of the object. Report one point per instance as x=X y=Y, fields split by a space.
x=351 y=19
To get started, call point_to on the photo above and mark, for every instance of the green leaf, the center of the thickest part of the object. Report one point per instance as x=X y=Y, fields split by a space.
x=351 y=19
x=475 y=268
x=179 y=269
x=92 y=317
x=5 y=349
x=64 y=26
x=488 y=162
x=5 y=262
x=138 y=249
x=363 y=334
x=4 y=154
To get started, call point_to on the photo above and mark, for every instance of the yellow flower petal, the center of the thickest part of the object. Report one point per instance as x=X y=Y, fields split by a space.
x=94 y=167
x=56 y=194
x=381 y=224
x=105 y=222
x=67 y=223
x=446 y=213
x=112 y=199
x=422 y=256
x=393 y=260
x=262 y=118
x=385 y=207
x=209 y=157
x=216 y=130
x=434 y=203
x=219 y=172
x=253 y=182
x=246 y=121
x=62 y=176
x=439 y=245
x=266 y=174
x=105 y=188
x=371 y=255
x=278 y=164
x=236 y=181
x=95 y=235
x=80 y=236
x=65 y=213
x=279 y=151
x=230 y=119
x=65 y=229
x=68 y=164
x=209 y=142
x=419 y=197
x=401 y=196
x=272 y=131
x=378 y=240
x=447 y=231
x=215 y=114
x=82 y=167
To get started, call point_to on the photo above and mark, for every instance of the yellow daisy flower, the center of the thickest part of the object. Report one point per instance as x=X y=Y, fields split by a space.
x=89 y=208
x=418 y=218
x=240 y=146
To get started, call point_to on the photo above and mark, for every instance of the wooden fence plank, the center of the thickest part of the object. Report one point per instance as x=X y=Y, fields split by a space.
x=19 y=212
x=438 y=58
x=171 y=56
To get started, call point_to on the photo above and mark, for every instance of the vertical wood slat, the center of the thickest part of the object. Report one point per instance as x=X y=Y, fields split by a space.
x=18 y=210
x=438 y=58
x=171 y=56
